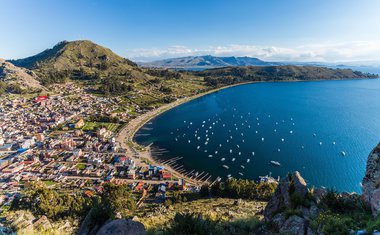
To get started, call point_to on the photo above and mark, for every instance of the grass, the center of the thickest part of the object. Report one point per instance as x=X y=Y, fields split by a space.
x=92 y=126
x=48 y=182
x=81 y=166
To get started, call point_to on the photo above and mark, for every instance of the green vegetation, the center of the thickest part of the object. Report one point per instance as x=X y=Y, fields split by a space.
x=246 y=189
x=232 y=75
x=41 y=200
x=342 y=213
x=93 y=126
x=48 y=182
x=81 y=166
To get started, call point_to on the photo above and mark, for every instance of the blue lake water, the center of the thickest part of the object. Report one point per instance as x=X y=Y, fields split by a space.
x=294 y=123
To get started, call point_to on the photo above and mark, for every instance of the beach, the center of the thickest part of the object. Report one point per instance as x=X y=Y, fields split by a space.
x=141 y=153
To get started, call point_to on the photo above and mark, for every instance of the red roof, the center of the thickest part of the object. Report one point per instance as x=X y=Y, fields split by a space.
x=41 y=98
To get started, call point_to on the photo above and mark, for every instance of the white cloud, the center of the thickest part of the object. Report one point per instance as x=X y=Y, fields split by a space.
x=323 y=52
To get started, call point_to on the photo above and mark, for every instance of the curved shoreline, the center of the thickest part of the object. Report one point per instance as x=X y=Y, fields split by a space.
x=126 y=134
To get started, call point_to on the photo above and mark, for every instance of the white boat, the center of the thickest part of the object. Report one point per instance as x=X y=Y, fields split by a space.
x=225 y=166
x=242 y=166
x=233 y=159
x=262 y=139
x=320 y=143
x=248 y=160
x=198 y=147
x=230 y=150
x=237 y=146
x=314 y=134
x=291 y=132
x=282 y=139
x=240 y=173
x=189 y=141
x=275 y=163
x=278 y=150
x=334 y=142
x=216 y=152
x=222 y=159
x=239 y=153
x=210 y=155
x=343 y=153
x=253 y=153
x=229 y=176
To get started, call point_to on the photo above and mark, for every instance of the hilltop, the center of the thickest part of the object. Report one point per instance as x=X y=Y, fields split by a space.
x=82 y=60
x=206 y=62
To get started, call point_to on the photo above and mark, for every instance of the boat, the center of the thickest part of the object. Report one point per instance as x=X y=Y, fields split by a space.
x=198 y=147
x=222 y=159
x=233 y=159
x=226 y=167
x=291 y=132
x=278 y=150
x=230 y=150
x=210 y=155
x=343 y=153
x=314 y=134
x=248 y=160
x=262 y=139
x=253 y=153
x=320 y=143
x=216 y=152
x=275 y=163
x=242 y=166
x=239 y=153
x=334 y=142
x=282 y=139
x=240 y=173
x=229 y=176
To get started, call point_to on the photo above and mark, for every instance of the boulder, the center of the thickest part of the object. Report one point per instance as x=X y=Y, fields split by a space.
x=294 y=225
x=371 y=181
x=292 y=184
x=122 y=227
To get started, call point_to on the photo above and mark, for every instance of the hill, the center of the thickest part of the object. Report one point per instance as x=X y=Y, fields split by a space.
x=83 y=60
x=101 y=71
x=231 y=75
x=18 y=79
x=207 y=61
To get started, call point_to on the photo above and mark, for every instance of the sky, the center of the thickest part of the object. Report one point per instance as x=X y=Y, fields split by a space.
x=146 y=30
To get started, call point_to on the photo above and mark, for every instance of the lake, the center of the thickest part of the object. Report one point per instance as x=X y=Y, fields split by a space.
x=323 y=129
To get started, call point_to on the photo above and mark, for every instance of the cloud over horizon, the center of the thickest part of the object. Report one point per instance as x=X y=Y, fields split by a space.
x=323 y=52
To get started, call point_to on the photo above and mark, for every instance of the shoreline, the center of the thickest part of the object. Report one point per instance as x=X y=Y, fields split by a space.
x=126 y=134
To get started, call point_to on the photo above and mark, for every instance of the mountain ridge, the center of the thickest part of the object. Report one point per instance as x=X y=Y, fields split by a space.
x=207 y=61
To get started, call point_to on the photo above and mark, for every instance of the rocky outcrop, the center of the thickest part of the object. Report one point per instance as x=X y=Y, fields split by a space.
x=292 y=206
x=22 y=77
x=371 y=181
x=122 y=227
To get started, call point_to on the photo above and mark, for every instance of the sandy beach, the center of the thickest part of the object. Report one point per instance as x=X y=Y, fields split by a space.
x=125 y=135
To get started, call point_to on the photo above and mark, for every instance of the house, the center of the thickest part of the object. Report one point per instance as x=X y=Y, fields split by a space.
x=79 y=124
x=165 y=175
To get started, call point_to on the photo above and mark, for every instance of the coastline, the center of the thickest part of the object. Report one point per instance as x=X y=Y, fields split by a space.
x=142 y=153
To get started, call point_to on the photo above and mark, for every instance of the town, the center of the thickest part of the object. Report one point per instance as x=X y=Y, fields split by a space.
x=67 y=141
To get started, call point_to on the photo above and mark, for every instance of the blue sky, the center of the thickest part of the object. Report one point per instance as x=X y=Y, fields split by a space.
x=313 y=30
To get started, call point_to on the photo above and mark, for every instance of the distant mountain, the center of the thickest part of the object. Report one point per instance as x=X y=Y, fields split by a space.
x=18 y=78
x=207 y=61
x=81 y=59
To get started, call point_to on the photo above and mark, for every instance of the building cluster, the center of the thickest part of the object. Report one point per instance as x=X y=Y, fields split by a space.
x=44 y=139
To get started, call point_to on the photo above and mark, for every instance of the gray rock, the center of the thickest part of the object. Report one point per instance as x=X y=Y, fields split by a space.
x=294 y=225
x=122 y=227
x=371 y=181
x=277 y=221
x=281 y=197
